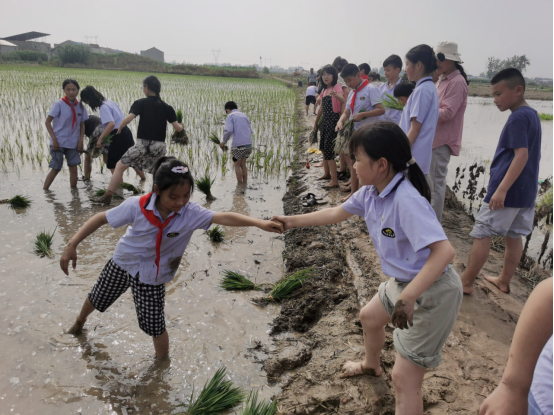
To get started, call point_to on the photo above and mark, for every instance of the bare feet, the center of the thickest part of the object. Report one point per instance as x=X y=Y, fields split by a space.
x=106 y=199
x=331 y=185
x=76 y=328
x=356 y=369
x=505 y=288
x=318 y=165
x=468 y=290
x=324 y=178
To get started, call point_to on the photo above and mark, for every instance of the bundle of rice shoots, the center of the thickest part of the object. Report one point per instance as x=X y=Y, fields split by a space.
x=216 y=234
x=204 y=184
x=217 y=396
x=313 y=137
x=99 y=192
x=129 y=187
x=343 y=137
x=215 y=139
x=253 y=407
x=232 y=281
x=392 y=103
x=284 y=288
x=108 y=140
x=43 y=244
x=17 y=202
x=180 y=137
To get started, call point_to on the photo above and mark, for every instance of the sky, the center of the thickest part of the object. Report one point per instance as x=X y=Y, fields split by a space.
x=297 y=33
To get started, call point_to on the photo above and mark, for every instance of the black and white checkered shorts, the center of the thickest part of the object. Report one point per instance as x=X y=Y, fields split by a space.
x=149 y=299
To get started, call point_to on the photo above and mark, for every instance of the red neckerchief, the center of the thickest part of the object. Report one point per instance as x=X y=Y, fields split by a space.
x=74 y=120
x=364 y=83
x=154 y=220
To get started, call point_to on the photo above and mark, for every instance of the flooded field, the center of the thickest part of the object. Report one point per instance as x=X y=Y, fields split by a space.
x=110 y=369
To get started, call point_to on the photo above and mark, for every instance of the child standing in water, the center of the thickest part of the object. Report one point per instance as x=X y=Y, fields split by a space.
x=66 y=125
x=148 y=255
x=93 y=130
x=423 y=294
x=238 y=126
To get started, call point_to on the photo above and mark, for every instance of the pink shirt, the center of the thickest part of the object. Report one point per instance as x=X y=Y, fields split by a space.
x=336 y=103
x=452 y=91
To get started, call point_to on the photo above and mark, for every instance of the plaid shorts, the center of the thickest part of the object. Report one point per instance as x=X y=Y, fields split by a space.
x=149 y=299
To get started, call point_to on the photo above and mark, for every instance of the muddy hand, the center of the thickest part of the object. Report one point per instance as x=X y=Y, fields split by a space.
x=284 y=220
x=402 y=315
x=70 y=254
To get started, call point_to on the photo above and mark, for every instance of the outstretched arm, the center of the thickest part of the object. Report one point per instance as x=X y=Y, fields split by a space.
x=319 y=218
x=126 y=121
x=533 y=330
x=70 y=252
x=236 y=219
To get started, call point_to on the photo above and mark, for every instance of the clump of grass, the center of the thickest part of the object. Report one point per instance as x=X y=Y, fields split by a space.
x=216 y=234
x=99 y=192
x=215 y=139
x=204 y=184
x=253 y=407
x=129 y=187
x=17 y=202
x=391 y=102
x=546 y=117
x=217 y=396
x=43 y=244
x=234 y=281
x=180 y=137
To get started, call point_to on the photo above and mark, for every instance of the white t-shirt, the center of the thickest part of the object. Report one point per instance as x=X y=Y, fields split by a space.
x=311 y=91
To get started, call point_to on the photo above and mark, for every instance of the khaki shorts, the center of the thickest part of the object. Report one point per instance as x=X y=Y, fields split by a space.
x=435 y=312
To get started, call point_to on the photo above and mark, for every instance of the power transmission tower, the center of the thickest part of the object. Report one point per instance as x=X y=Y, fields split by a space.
x=216 y=55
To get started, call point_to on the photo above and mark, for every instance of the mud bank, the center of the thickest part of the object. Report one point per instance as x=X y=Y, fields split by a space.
x=319 y=329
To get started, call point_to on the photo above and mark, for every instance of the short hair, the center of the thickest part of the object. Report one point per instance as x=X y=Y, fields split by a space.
x=404 y=89
x=511 y=76
x=349 y=70
x=364 y=67
x=231 y=105
x=393 y=60
x=339 y=63
x=374 y=75
x=330 y=70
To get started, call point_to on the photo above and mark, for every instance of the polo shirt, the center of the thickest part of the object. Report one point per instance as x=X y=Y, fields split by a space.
x=110 y=111
x=237 y=125
x=63 y=118
x=390 y=114
x=366 y=98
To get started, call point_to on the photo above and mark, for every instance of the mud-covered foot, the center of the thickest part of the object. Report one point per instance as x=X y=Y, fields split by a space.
x=467 y=290
x=76 y=328
x=505 y=288
x=324 y=178
x=105 y=199
x=356 y=369
x=118 y=194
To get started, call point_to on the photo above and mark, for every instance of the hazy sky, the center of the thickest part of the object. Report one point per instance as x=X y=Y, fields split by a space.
x=290 y=33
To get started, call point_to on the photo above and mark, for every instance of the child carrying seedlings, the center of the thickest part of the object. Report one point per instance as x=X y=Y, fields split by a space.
x=392 y=66
x=148 y=255
x=66 y=125
x=420 y=115
x=237 y=125
x=423 y=294
x=362 y=108
x=154 y=115
x=93 y=130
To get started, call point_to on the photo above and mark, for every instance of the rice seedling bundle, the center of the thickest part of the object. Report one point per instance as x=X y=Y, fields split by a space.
x=217 y=396
x=129 y=187
x=313 y=137
x=204 y=184
x=283 y=289
x=43 y=244
x=546 y=117
x=215 y=139
x=234 y=281
x=17 y=202
x=343 y=137
x=180 y=137
x=253 y=407
x=216 y=234
x=99 y=192
x=390 y=102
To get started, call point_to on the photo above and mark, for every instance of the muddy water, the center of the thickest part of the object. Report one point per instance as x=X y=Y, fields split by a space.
x=110 y=368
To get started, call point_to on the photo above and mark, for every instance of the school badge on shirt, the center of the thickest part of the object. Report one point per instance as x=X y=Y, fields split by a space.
x=172 y=234
x=362 y=98
x=388 y=232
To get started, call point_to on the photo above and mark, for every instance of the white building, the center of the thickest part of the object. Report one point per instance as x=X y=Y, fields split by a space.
x=6 y=47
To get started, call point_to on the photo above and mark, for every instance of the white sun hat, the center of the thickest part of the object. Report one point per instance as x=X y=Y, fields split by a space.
x=450 y=51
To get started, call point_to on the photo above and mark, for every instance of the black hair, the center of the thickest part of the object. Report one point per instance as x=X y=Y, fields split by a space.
x=364 y=67
x=231 y=105
x=349 y=70
x=165 y=177
x=511 y=76
x=90 y=125
x=425 y=55
x=339 y=63
x=387 y=140
x=404 y=89
x=69 y=81
x=154 y=85
x=393 y=60
x=92 y=96
x=374 y=75
x=330 y=70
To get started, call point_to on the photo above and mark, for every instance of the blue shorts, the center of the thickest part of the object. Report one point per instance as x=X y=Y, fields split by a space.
x=72 y=157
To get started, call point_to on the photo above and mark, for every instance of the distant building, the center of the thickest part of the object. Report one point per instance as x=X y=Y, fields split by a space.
x=27 y=41
x=153 y=53
x=6 y=47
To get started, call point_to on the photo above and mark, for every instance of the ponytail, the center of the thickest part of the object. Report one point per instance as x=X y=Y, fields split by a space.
x=387 y=140
x=462 y=72
x=154 y=85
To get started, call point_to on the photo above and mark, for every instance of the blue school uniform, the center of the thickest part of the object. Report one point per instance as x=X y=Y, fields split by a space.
x=110 y=111
x=390 y=114
x=65 y=130
x=423 y=105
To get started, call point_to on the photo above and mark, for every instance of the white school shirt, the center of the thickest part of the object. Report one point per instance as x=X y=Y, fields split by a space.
x=311 y=91
x=63 y=118
x=136 y=250
x=541 y=388
x=110 y=111
x=366 y=98
x=390 y=114
x=401 y=224
x=423 y=105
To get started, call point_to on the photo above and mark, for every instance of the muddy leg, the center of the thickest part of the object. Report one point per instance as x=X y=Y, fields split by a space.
x=50 y=178
x=244 y=171
x=161 y=345
x=82 y=317
x=238 y=170
x=88 y=166
x=73 y=176
x=477 y=258
x=407 y=379
x=512 y=255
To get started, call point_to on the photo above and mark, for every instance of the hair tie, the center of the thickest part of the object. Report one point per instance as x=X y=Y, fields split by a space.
x=180 y=169
x=410 y=162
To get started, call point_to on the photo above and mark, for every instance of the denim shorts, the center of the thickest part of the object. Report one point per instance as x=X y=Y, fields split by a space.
x=510 y=222
x=72 y=157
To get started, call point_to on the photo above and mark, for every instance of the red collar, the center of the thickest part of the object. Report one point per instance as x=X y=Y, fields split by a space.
x=362 y=85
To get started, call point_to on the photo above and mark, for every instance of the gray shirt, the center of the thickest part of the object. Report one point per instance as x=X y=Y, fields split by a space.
x=312 y=77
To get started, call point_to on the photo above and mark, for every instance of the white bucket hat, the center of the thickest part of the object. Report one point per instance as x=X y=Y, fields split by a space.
x=450 y=51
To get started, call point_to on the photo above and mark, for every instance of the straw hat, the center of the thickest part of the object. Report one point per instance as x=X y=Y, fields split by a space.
x=450 y=51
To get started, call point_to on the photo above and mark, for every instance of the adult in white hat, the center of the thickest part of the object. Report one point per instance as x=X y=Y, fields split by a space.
x=452 y=90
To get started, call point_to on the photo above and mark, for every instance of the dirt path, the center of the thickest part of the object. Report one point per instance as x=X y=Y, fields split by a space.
x=319 y=329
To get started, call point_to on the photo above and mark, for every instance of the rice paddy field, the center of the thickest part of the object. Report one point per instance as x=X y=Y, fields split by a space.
x=110 y=368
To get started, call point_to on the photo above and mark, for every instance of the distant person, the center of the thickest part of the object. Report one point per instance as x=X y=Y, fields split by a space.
x=312 y=77
x=403 y=91
x=93 y=130
x=526 y=384
x=238 y=126
x=452 y=90
x=311 y=93
x=509 y=206
x=364 y=70
x=374 y=79
x=392 y=67
x=66 y=125
x=363 y=107
x=339 y=63
x=420 y=115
